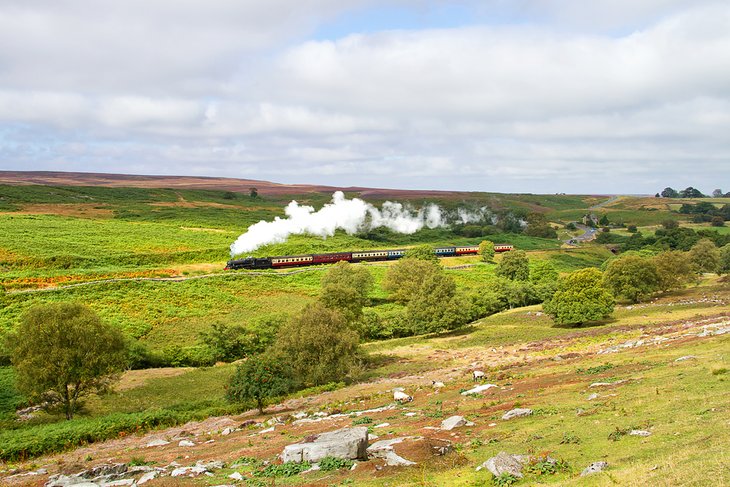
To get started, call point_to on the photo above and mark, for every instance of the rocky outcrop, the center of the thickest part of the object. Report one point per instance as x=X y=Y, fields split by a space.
x=346 y=443
x=503 y=462
x=517 y=413
x=455 y=422
x=594 y=467
x=384 y=450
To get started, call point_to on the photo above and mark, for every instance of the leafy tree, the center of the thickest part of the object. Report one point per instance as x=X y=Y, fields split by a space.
x=580 y=297
x=670 y=193
x=346 y=287
x=319 y=346
x=232 y=342
x=632 y=277
x=405 y=277
x=544 y=276
x=670 y=224
x=253 y=192
x=724 y=259
x=604 y=221
x=571 y=226
x=538 y=226
x=691 y=192
x=675 y=270
x=717 y=221
x=631 y=229
x=435 y=306
x=63 y=352
x=486 y=250
x=514 y=265
x=260 y=378
x=705 y=256
x=421 y=252
x=717 y=193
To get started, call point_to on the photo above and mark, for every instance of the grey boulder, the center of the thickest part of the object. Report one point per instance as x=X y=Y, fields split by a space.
x=503 y=462
x=517 y=413
x=594 y=467
x=346 y=443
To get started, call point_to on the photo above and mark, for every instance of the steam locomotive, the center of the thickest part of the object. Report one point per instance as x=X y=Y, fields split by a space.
x=361 y=256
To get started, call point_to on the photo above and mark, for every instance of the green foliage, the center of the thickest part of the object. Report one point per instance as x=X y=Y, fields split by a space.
x=346 y=288
x=514 y=265
x=594 y=370
x=288 y=469
x=724 y=259
x=260 y=379
x=33 y=441
x=580 y=297
x=233 y=342
x=504 y=479
x=421 y=252
x=569 y=439
x=362 y=420
x=674 y=269
x=486 y=250
x=538 y=226
x=632 y=277
x=705 y=256
x=328 y=464
x=10 y=397
x=435 y=307
x=405 y=278
x=63 y=352
x=318 y=345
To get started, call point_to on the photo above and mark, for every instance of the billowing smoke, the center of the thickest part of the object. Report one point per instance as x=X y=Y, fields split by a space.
x=349 y=215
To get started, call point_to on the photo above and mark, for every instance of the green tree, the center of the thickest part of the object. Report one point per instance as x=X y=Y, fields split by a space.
x=319 y=346
x=63 y=352
x=421 y=252
x=632 y=277
x=486 y=250
x=253 y=193
x=538 y=226
x=674 y=269
x=670 y=224
x=691 y=192
x=705 y=256
x=724 y=259
x=717 y=193
x=544 y=277
x=434 y=307
x=514 y=265
x=260 y=378
x=604 y=221
x=580 y=297
x=232 y=342
x=631 y=229
x=670 y=193
x=404 y=278
x=347 y=287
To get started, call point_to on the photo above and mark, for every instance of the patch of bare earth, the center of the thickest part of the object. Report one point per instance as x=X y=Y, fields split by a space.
x=77 y=210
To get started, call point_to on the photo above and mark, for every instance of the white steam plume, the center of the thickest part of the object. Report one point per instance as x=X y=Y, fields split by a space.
x=348 y=215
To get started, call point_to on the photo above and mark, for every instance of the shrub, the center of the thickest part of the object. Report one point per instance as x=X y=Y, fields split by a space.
x=260 y=379
x=580 y=297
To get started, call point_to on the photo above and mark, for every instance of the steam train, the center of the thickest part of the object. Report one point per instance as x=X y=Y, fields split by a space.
x=361 y=256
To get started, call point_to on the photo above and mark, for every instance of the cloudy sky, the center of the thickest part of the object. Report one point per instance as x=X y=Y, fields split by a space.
x=581 y=96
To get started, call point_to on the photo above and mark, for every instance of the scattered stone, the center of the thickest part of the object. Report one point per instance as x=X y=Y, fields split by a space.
x=188 y=471
x=28 y=413
x=478 y=389
x=300 y=415
x=686 y=357
x=118 y=483
x=384 y=449
x=639 y=433
x=607 y=384
x=247 y=423
x=382 y=425
x=437 y=385
x=410 y=415
x=267 y=430
x=236 y=476
x=455 y=422
x=593 y=396
x=227 y=431
x=492 y=425
x=594 y=467
x=185 y=443
x=504 y=463
x=147 y=477
x=347 y=443
x=157 y=442
x=517 y=413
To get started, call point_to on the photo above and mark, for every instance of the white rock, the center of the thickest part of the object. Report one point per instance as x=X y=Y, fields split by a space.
x=478 y=389
x=639 y=433
x=686 y=357
x=347 y=443
x=410 y=415
x=593 y=396
x=147 y=477
x=606 y=384
x=185 y=443
x=517 y=413
x=384 y=449
x=236 y=476
x=455 y=422
x=300 y=415
x=437 y=385
x=594 y=467
x=118 y=483
x=157 y=442
x=227 y=431
x=492 y=425
x=267 y=430
x=382 y=425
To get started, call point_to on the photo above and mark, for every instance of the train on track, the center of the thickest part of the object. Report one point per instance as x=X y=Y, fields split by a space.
x=359 y=256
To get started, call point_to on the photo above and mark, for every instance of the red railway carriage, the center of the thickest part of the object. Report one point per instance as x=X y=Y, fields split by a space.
x=331 y=258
